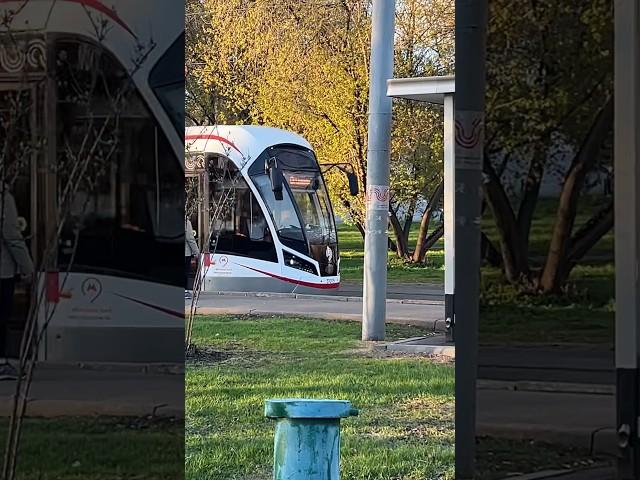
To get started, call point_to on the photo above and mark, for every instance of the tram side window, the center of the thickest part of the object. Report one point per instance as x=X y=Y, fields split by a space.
x=126 y=207
x=241 y=228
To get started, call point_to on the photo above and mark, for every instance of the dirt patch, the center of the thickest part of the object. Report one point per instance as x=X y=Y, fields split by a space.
x=206 y=355
x=230 y=354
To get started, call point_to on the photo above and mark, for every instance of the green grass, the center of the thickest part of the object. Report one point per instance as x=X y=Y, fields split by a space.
x=102 y=448
x=399 y=271
x=583 y=313
x=405 y=430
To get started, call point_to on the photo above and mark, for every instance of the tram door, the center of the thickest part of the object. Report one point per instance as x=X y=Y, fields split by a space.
x=194 y=211
x=20 y=145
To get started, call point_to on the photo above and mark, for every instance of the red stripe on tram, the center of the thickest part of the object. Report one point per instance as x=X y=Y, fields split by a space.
x=324 y=286
x=100 y=7
x=212 y=137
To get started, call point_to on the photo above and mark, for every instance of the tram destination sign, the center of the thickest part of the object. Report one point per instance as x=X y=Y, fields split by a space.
x=300 y=181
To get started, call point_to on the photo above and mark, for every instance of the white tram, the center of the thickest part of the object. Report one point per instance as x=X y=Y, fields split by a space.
x=260 y=207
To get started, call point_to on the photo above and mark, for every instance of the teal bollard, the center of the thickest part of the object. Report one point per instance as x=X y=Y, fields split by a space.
x=307 y=437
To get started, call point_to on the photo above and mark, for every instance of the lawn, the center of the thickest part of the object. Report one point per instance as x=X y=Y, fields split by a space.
x=101 y=448
x=405 y=429
x=399 y=271
x=584 y=312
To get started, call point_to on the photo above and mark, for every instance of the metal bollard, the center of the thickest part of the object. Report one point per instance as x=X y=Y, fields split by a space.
x=307 y=437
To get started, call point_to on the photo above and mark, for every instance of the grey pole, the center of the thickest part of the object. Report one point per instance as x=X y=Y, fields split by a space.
x=627 y=233
x=377 y=191
x=471 y=26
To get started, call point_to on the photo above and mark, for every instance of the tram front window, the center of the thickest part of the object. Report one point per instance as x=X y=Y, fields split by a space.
x=313 y=203
x=283 y=213
x=303 y=218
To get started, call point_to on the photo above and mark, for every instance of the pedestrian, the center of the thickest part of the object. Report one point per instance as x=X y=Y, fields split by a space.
x=15 y=265
x=190 y=250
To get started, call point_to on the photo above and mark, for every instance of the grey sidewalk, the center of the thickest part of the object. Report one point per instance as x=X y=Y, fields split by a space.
x=65 y=390
x=581 y=419
x=429 y=314
x=586 y=364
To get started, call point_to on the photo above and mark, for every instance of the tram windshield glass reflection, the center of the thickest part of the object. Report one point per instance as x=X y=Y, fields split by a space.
x=303 y=218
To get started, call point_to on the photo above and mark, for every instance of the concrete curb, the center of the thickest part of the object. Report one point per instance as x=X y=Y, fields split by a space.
x=445 y=351
x=68 y=408
x=435 y=325
x=554 y=387
x=146 y=368
x=541 y=475
x=597 y=473
x=309 y=296
x=430 y=345
x=600 y=441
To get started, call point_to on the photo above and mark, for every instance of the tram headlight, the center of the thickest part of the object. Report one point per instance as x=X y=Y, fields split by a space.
x=299 y=264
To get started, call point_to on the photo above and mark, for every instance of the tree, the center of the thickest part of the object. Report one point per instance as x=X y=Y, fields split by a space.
x=547 y=98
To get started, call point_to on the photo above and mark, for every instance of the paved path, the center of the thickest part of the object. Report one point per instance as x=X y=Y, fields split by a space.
x=577 y=419
x=588 y=364
x=429 y=314
x=117 y=391
x=561 y=394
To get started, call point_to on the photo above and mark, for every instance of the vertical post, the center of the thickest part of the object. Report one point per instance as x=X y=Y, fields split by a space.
x=471 y=26
x=627 y=233
x=449 y=216
x=377 y=191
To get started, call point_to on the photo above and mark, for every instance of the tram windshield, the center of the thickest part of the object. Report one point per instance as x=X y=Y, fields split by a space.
x=303 y=218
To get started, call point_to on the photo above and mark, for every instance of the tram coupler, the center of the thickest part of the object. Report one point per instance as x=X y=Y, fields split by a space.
x=307 y=437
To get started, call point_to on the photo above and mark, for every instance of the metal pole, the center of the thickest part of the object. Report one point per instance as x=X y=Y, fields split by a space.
x=377 y=191
x=627 y=233
x=449 y=216
x=471 y=26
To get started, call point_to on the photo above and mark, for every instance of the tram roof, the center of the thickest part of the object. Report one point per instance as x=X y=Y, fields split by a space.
x=241 y=143
x=131 y=24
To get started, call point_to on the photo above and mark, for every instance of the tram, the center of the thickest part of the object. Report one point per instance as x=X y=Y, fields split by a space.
x=259 y=205
x=112 y=290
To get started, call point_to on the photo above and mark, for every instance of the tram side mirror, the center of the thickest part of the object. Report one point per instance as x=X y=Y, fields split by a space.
x=275 y=176
x=353 y=184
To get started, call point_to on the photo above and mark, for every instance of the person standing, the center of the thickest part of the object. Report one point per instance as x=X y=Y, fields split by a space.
x=190 y=250
x=15 y=264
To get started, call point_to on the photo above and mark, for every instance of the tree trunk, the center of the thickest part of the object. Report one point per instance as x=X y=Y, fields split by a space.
x=433 y=237
x=531 y=192
x=409 y=220
x=400 y=245
x=489 y=252
x=514 y=259
x=421 y=247
x=585 y=239
x=556 y=266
